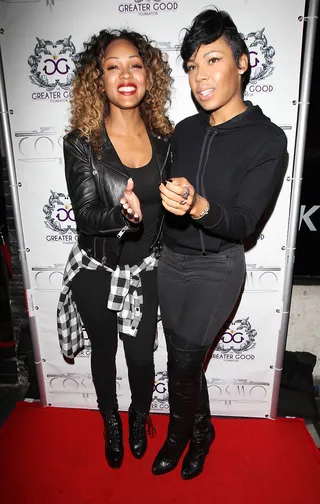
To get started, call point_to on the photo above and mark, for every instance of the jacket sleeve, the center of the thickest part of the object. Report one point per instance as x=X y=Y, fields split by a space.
x=257 y=189
x=92 y=216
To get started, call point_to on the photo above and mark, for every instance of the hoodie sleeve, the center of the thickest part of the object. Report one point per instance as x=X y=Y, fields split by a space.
x=257 y=189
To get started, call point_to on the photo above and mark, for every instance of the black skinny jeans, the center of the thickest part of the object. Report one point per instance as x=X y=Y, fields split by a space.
x=90 y=291
x=197 y=294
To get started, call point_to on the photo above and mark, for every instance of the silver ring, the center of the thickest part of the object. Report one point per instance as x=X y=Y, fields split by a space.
x=183 y=202
x=186 y=193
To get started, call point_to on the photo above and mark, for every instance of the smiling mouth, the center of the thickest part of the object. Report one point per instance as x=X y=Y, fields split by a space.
x=127 y=90
x=206 y=93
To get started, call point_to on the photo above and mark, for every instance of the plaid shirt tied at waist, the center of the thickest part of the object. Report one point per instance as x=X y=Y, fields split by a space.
x=125 y=298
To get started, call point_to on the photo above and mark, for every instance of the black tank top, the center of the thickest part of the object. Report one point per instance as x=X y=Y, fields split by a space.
x=146 y=186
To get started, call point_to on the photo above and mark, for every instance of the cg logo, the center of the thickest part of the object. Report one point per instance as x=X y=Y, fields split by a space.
x=160 y=390
x=261 y=57
x=57 y=212
x=159 y=387
x=61 y=66
x=50 y=59
x=65 y=214
x=254 y=61
x=238 y=338
x=235 y=337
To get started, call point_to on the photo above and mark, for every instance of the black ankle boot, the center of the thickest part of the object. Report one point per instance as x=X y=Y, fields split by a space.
x=184 y=370
x=139 y=425
x=113 y=438
x=202 y=436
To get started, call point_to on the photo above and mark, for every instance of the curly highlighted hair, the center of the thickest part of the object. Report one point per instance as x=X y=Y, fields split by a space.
x=89 y=103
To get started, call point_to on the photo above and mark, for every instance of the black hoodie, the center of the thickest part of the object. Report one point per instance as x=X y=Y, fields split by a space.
x=237 y=166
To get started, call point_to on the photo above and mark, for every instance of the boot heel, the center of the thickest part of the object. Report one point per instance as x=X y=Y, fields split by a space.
x=194 y=460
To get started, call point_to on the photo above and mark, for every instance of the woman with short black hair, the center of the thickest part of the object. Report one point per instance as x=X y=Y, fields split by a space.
x=228 y=161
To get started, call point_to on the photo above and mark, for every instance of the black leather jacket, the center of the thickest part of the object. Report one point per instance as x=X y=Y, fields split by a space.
x=95 y=187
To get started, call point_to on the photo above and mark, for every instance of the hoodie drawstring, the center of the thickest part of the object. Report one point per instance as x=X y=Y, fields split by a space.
x=205 y=149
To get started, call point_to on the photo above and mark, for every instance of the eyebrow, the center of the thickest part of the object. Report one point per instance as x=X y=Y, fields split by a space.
x=208 y=53
x=117 y=57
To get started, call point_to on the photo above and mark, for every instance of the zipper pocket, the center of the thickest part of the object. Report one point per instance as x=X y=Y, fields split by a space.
x=122 y=231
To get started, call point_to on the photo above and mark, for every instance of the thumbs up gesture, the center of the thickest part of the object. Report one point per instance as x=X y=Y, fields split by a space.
x=130 y=203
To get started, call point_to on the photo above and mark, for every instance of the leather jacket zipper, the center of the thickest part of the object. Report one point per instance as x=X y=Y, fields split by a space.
x=157 y=237
x=104 y=257
x=122 y=231
x=95 y=246
x=165 y=162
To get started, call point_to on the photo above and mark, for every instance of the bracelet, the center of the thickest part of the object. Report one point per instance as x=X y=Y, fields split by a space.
x=203 y=213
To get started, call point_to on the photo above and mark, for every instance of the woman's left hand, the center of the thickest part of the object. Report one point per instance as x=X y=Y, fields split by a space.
x=179 y=196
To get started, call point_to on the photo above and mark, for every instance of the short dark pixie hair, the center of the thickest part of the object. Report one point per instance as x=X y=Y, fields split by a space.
x=207 y=27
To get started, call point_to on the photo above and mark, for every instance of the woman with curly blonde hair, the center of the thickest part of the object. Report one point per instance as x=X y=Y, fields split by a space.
x=116 y=155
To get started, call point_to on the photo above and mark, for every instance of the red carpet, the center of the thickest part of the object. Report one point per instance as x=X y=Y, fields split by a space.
x=53 y=455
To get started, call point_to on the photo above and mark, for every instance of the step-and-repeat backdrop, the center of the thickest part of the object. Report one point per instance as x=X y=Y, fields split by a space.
x=39 y=45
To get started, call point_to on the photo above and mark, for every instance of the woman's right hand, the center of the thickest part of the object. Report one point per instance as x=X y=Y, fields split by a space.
x=130 y=204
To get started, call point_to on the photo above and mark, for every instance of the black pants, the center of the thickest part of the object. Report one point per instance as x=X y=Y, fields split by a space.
x=90 y=290
x=197 y=294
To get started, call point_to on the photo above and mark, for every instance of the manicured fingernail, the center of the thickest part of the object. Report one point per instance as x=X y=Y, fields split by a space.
x=168 y=180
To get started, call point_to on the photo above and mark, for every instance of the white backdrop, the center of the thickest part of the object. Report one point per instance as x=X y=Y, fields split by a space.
x=40 y=40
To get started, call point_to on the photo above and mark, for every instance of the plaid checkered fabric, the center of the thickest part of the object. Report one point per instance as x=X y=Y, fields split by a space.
x=125 y=298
